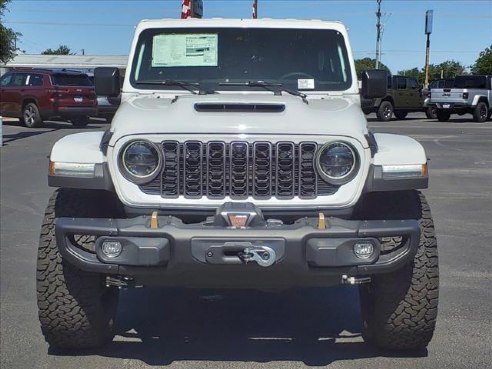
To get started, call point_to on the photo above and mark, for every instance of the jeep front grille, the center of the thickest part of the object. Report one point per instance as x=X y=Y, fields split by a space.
x=239 y=169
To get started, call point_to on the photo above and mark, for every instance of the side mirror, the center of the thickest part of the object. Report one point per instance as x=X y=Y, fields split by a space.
x=374 y=83
x=107 y=81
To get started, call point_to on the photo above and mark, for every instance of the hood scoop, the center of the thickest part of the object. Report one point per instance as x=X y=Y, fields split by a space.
x=240 y=108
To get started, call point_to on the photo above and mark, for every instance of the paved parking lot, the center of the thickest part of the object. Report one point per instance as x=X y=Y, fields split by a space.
x=250 y=329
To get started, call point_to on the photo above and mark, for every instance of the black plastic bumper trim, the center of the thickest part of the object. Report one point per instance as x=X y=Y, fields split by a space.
x=175 y=258
x=76 y=111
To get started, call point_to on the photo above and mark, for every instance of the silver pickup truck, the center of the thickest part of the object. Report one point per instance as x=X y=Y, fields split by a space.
x=470 y=94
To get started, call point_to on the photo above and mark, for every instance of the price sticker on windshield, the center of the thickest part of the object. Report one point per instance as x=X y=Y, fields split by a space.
x=185 y=50
x=305 y=84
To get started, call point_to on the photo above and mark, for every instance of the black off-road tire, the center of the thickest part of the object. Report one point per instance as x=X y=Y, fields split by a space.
x=431 y=113
x=385 y=111
x=31 y=117
x=80 y=122
x=400 y=114
x=399 y=309
x=442 y=116
x=76 y=309
x=481 y=112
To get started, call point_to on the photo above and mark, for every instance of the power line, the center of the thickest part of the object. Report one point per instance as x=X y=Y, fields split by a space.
x=72 y=24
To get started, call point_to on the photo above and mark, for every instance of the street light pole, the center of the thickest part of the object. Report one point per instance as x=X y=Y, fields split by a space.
x=428 y=30
x=255 y=9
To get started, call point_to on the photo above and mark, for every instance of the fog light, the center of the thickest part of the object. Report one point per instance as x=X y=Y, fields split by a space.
x=111 y=249
x=363 y=250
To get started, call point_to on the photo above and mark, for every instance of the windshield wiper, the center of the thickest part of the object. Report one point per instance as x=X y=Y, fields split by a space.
x=193 y=87
x=276 y=88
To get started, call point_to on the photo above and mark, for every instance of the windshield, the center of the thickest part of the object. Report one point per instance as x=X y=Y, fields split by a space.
x=299 y=59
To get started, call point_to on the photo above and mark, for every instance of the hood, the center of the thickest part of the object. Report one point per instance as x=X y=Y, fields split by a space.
x=245 y=114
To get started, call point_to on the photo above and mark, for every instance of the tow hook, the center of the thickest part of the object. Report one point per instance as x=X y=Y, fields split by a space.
x=355 y=280
x=263 y=255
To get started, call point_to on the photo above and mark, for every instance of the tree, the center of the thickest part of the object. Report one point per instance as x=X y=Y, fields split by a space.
x=365 y=64
x=414 y=72
x=483 y=64
x=8 y=37
x=62 y=50
x=447 y=69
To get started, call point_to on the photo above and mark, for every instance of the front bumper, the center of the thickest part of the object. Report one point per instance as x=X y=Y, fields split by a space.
x=206 y=255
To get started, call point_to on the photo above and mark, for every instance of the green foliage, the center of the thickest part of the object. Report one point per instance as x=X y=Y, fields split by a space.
x=483 y=64
x=8 y=37
x=447 y=69
x=62 y=50
x=367 y=63
x=414 y=72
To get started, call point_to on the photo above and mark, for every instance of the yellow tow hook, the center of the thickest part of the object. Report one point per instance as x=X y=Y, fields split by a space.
x=154 y=222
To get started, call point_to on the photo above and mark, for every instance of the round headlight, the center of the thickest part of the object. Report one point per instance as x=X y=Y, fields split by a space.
x=140 y=161
x=336 y=162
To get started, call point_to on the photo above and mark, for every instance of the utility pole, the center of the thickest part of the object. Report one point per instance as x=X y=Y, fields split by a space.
x=428 y=30
x=255 y=9
x=378 y=37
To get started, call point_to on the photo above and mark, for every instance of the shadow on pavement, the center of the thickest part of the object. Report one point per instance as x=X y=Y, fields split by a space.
x=26 y=134
x=313 y=326
x=55 y=124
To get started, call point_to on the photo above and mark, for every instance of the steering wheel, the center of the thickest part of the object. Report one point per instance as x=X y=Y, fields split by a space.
x=293 y=74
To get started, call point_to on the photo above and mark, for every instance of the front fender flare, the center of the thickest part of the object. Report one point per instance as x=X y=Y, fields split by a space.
x=80 y=148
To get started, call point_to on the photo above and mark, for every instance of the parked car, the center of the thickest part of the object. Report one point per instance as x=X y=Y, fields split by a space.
x=470 y=94
x=403 y=95
x=36 y=95
x=430 y=110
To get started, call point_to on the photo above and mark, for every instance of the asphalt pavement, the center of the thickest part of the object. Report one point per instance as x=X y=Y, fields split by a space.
x=253 y=329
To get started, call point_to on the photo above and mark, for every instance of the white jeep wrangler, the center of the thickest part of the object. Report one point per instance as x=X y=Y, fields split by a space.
x=239 y=158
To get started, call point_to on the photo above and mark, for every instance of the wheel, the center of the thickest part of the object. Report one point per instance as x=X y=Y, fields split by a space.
x=76 y=309
x=399 y=309
x=80 y=122
x=400 y=114
x=430 y=112
x=30 y=116
x=385 y=111
x=481 y=112
x=442 y=116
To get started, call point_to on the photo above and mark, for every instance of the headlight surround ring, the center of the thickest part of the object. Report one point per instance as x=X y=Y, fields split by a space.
x=341 y=152
x=131 y=170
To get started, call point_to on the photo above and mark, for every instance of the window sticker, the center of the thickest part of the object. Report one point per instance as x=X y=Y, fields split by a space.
x=185 y=50
x=305 y=84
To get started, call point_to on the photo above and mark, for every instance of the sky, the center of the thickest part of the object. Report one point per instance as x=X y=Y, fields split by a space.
x=461 y=29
